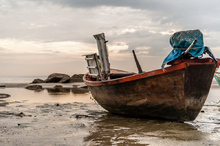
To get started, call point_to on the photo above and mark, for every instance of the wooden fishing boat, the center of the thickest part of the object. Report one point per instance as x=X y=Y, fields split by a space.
x=177 y=92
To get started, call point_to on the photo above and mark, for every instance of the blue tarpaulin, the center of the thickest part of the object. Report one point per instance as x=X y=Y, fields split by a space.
x=217 y=79
x=180 y=41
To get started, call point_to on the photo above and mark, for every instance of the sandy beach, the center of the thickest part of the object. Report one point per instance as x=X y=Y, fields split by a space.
x=70 y=116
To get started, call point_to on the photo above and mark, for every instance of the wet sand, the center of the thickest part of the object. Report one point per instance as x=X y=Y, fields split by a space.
x=70 y=116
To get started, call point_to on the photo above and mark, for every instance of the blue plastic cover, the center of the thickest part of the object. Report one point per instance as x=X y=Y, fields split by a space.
x=217 y=79
x=180 y=41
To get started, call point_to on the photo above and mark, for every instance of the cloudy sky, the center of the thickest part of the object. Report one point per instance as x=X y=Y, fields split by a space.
x=39 y=37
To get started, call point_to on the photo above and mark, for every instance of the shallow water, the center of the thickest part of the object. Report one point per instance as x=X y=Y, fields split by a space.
x=63 y=95
x=72 y=117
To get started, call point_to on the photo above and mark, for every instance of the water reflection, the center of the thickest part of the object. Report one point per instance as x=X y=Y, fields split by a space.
x=79 y=90
x=66 y=91
x=116 y=130
x=58 y=91
x=46 y=95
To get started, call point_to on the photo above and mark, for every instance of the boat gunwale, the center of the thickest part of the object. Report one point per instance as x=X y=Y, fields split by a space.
x=145 y=74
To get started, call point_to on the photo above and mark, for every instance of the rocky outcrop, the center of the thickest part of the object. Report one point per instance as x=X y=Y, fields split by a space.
x=58 y=89
x=35 y=81
x=34 y=87
x=76 y=78
x=58 y=78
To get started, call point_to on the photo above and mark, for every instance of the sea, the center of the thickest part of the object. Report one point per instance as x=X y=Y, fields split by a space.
x=19 y=79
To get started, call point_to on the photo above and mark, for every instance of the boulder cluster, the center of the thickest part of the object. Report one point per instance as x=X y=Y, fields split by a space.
x=60 y=78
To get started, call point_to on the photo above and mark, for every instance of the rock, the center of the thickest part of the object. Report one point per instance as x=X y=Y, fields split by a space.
x=4 y=104
x=57 y=91
x=58 y=86
x=2 y=95
x=34 y=87
x=38 y=81
x=77 y=116
x=76 y=78
x=58 y=78
x=21 y=114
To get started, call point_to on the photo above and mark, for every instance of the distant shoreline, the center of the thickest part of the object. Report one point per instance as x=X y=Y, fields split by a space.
x=13 y=85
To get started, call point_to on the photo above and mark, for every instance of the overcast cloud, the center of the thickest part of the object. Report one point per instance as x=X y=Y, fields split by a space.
x=46 y=36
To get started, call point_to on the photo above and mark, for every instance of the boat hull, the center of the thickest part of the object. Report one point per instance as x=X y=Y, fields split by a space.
x=178 y=93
